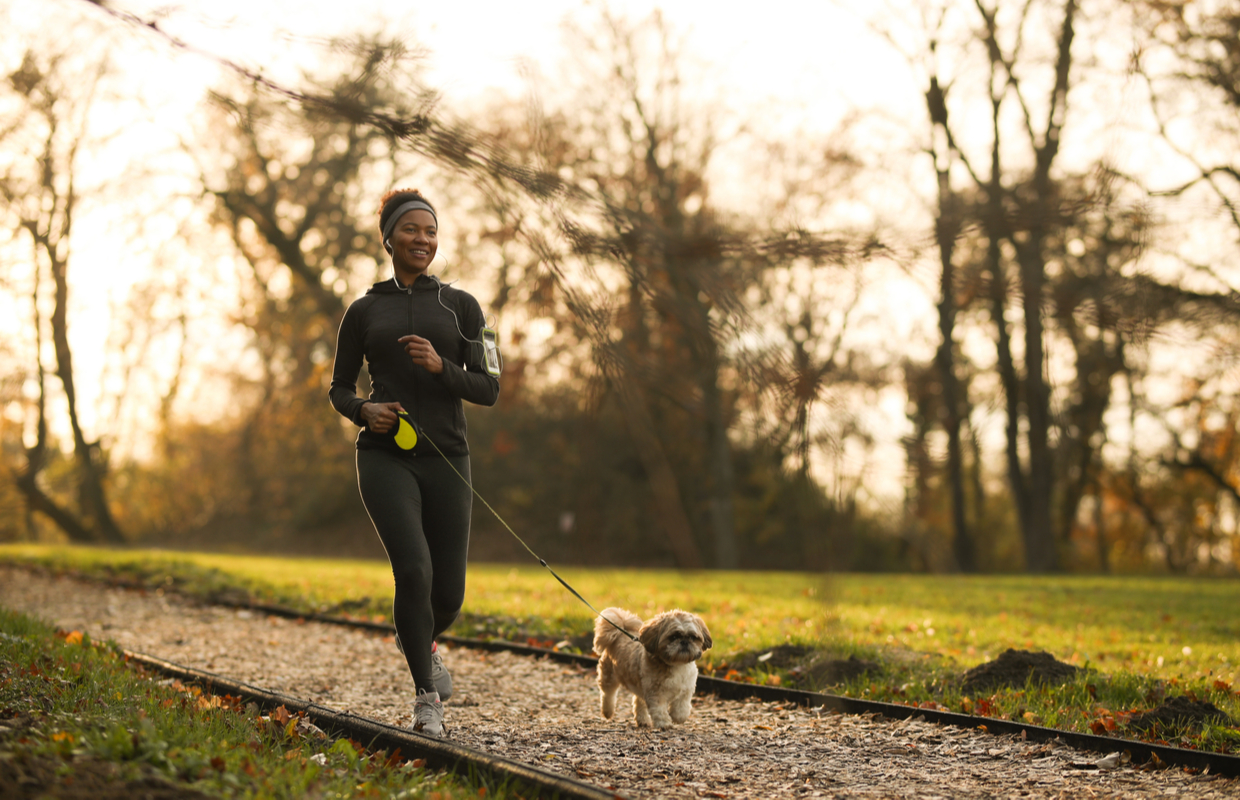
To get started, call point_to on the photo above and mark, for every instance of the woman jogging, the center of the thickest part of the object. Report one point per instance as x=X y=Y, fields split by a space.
x=424 y=348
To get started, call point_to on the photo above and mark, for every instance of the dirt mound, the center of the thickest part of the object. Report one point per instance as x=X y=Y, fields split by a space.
x=782 y=656
x=806 y=666
x=1181 y=713
x=1014 y=668
x=836 y=670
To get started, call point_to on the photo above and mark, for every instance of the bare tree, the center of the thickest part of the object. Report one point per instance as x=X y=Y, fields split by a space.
x=39 y=190
x=948 y=223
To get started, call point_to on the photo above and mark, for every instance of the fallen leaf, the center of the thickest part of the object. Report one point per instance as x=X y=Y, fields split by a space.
x=281 y=716
x=1109 y=761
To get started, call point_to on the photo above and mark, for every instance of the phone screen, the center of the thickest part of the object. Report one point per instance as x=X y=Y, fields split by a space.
x=490 y=346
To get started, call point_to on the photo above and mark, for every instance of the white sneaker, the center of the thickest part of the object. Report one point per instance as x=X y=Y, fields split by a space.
x=428 y=714
x=439 y=674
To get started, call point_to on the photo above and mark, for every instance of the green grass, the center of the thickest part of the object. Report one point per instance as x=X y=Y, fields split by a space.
x=75 y=715
x=1138 y=638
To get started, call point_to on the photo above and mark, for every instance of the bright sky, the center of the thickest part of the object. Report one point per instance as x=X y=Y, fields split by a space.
x=807 y=54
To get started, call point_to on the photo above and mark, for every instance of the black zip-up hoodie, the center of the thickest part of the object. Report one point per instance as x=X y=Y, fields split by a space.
x=370 y=329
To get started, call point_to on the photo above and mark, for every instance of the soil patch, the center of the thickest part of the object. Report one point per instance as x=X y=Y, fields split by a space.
x=782 y=656
x=1181 y=713
x=1015 y=668
x=836 y=670
x=806 y=666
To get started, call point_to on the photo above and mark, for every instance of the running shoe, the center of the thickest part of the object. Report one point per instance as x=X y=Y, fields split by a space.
x=428 y=714
x=439 y=674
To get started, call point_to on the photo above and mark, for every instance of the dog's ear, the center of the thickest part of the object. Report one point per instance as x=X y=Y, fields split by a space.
x=707 y=642
x=651 y=633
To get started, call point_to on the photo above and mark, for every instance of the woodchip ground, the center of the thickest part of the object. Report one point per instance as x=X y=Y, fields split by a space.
x=546 y=714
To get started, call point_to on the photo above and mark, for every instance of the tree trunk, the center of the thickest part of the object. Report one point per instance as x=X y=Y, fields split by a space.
x=947 y=227
x=94 y=505
x=37 y=500
x=1040 y=550
x=722 y=477
x=669 y=508
x=1100 y=538
x=1040 y=555
x=1003 y=340
x=28 y=482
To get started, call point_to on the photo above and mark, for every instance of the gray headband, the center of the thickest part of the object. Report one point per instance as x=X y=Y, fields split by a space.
x=401 y=210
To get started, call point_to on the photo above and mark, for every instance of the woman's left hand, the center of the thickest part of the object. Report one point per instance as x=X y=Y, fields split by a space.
x=423 y=353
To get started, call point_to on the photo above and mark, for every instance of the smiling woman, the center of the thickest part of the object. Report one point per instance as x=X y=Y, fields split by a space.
x=409 y=219
x=412 y=456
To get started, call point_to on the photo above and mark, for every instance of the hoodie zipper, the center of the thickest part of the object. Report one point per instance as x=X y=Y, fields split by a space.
x=417 y=405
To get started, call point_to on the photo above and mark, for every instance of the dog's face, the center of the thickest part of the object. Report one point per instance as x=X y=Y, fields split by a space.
x=675 y=637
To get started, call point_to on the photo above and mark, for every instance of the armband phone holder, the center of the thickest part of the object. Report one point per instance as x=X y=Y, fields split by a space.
x=491 y=359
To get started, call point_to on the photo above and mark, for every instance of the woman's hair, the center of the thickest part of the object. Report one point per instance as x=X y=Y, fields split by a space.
x=393 y=200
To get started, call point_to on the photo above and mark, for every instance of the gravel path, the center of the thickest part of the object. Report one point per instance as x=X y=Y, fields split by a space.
x=546 y=714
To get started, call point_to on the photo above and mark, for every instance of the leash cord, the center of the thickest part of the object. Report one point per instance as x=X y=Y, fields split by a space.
x=540 y=559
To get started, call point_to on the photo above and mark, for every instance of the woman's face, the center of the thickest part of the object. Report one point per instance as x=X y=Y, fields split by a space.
x=414 y=241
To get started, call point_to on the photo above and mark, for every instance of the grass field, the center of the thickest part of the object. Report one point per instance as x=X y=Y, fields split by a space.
x=1142 y=638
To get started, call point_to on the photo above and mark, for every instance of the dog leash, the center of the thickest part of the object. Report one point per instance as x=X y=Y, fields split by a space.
x=539 y=558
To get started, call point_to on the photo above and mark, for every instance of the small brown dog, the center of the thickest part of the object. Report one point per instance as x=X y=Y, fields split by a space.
x=660 y=668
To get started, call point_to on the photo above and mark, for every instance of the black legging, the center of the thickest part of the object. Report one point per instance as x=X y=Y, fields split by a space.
x=420 y=508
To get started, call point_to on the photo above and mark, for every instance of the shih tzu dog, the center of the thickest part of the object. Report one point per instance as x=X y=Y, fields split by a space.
x=660 y=668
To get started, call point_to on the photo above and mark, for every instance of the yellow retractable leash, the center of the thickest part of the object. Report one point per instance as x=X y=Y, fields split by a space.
x=406 y=433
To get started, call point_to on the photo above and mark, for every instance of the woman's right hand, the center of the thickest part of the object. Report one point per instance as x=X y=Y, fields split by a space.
x=380 y=417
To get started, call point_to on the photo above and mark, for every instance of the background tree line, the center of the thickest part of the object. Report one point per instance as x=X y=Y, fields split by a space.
x=696 y=374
